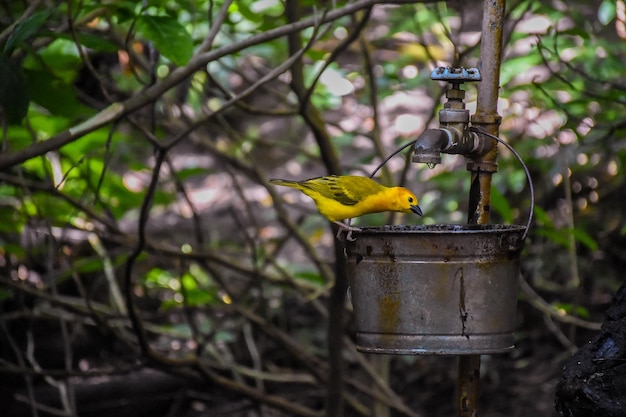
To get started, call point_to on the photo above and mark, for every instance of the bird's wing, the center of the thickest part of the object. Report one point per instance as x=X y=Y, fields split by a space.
x=347 y=190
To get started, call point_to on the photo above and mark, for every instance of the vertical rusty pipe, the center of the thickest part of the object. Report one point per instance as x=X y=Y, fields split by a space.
x=482 y=168
x=490 y=58
x=486 y=116
x=468 y=379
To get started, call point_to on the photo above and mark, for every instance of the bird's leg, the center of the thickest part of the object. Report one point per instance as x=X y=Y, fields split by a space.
x=348 y=228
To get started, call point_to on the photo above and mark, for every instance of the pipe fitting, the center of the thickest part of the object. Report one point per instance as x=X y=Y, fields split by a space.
x=429 y=145
x=449 y=116
x=432 y=142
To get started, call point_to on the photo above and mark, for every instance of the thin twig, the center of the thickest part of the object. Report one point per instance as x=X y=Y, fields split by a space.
x=216 y=25
x=542 y=305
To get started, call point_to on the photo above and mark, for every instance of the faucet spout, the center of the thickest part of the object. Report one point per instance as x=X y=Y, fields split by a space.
x=429 y=145
x=432 y=142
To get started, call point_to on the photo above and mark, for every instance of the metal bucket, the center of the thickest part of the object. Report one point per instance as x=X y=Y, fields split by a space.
x=435 y=290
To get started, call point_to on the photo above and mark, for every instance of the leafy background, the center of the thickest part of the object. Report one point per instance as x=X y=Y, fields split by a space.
x=144 y=257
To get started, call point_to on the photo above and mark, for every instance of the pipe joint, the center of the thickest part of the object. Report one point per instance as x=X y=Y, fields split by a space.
x=449 y=139
x=429 y=145
x=485 y=119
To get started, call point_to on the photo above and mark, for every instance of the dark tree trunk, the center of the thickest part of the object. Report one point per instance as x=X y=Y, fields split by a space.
x=593 y=382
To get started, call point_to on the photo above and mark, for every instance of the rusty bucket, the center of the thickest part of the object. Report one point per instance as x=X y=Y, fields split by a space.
x=435 y=289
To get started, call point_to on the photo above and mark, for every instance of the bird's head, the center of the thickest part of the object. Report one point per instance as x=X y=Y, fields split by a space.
x=406 y=202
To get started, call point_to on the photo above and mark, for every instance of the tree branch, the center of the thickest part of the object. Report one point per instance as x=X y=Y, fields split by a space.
x=121 y=109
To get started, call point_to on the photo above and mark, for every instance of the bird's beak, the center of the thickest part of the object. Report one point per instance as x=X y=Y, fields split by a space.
x=417 y=210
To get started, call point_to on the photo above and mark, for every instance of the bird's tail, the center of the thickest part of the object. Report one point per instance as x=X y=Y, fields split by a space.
x=285 y=183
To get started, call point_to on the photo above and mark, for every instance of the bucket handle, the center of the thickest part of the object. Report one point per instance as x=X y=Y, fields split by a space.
x=497 y=139
x=528 y=177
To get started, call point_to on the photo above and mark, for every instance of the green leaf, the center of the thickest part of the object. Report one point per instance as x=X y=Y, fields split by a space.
x=586 y=239
x=14 y=97
x=26 y=29
x=59 y=59
x=168 y=36
x=120 y=10
x=542 y=218
x=197 y=297
x=5 y=294
x=158 y=277
x=10 y=223
x=606 y=12
x=575 y=310
x=54 y=94
x=14 y=249
x=512 y=67
x=89 y=265
x=501 y=205
x=186 y=173
x=555 y=236
x=91 y=41
x=310 y=276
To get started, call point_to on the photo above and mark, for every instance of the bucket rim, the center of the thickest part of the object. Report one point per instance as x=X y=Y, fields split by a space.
x=442 y=229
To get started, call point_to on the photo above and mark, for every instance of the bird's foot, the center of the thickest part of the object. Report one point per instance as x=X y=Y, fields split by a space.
x=349 y=229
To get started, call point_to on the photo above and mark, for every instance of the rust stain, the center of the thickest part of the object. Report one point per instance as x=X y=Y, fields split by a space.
x=462 y=309
x=389 y=302
x=388 y=250
x=389 y=308
x=441 y=285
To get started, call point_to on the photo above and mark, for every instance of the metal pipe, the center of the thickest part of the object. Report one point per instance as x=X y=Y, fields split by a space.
x=469 y=377
x=486 y=116
x=429 y=145
x=481 y=169
x=490 y=57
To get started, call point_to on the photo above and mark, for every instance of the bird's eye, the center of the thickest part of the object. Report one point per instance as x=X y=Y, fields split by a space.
x=410 y=199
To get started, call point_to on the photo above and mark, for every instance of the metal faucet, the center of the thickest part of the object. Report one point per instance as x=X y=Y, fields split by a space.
x=453 y=135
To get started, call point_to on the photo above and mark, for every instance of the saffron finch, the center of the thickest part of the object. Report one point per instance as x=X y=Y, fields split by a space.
x=343 y=197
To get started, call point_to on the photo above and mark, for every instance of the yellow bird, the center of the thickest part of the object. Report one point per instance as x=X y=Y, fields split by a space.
x=343 y=197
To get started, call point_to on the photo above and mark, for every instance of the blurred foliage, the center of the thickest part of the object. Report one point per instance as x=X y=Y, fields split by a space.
x=166 y=203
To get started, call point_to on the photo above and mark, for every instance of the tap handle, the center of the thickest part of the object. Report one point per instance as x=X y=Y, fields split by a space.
x=455 y=75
